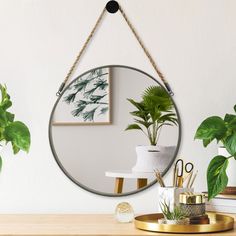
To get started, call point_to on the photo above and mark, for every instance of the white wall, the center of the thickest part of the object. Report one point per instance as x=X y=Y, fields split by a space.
x=194 y=43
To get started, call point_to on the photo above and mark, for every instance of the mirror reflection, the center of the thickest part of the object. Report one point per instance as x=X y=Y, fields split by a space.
x=111 y=127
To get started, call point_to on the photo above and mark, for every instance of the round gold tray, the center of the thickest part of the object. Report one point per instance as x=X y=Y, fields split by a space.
x=218 y=223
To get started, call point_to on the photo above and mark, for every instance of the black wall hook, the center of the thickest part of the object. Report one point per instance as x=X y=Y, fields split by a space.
x=112 y=6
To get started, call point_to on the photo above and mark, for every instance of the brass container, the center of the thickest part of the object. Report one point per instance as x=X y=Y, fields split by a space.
x=191 y=198
x=193 y=204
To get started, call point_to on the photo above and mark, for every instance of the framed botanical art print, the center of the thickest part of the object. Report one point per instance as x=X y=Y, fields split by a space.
x=86 y=101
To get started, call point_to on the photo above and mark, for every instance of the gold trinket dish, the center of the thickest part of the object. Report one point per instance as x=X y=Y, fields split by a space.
x=218 y=223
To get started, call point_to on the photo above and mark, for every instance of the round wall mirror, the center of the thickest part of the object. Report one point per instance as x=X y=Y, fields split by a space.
x=111 y=127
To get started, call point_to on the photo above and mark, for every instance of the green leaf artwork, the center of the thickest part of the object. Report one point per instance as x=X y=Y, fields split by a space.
x=222 y=130
x=154 y=111
x=88 y=97
x=14 y=132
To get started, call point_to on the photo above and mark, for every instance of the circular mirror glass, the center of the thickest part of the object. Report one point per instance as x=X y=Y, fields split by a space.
x=111 y=127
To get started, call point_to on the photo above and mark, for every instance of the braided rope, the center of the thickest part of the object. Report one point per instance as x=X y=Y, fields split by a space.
x=142 y=46
x=85 y=45
x=90 y=37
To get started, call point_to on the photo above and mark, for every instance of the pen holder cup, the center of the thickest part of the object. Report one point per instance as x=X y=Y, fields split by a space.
x=170 y=195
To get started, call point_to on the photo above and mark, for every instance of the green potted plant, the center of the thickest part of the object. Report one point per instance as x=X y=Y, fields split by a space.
x=223 y=130
x=175 y=217
x=154 y=111
x=14 y=132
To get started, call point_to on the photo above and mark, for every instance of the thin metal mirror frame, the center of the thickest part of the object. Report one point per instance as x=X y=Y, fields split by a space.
x=77 y=182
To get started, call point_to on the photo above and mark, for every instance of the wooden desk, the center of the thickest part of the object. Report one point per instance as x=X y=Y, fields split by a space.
x=76 y=225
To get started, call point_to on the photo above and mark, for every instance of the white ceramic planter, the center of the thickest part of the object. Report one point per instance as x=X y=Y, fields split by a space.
x=231 y=169
x=153 y=157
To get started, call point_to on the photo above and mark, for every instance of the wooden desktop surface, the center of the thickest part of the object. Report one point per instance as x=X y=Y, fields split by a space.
x=76 y=225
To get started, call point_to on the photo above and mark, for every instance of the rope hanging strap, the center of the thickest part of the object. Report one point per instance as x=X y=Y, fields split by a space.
x=136 y=36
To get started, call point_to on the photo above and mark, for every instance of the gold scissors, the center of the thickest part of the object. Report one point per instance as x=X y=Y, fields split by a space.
x=182 y=172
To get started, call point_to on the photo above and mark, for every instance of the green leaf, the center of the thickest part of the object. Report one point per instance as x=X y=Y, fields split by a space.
x=138 y=105
x=155 y=113
x=10 y=116
x=206 y=142
x=230 y=144
x=3 y=118
x=230 y=122
x=15 y=148
x=216 y=176
x=211 y=128
x=235 y=108
x=133 y=126
x=169 y=117
x=18 y=133
x=141 y=114
x=5 y=102
x=229 y=118
x=144 y=123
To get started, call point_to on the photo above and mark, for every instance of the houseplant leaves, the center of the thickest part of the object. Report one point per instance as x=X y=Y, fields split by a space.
x=153 y=111
x=210 y=129
x=216 y=176
x=18 y=134
x=230 y=144
x=14 y=132
x=224 y=131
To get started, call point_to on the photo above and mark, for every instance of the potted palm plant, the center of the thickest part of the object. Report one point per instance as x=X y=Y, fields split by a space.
x=14 y=132
x=223 y=130
x=154 y=111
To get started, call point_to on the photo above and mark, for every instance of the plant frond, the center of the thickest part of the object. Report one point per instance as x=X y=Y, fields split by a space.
x=89 y=115
x=104 y=110
x=101 y=84
x=70 y=98
x=133 y=126
x=176 y=214
x=97 y=98
x=144 y=123
x=81 y=102
x=81 y=85
x=90 y=92
x=5 y=98
x=156 y=96
x=141 y=114
x=153 y=111
x=78 y=111
x=139 y=105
